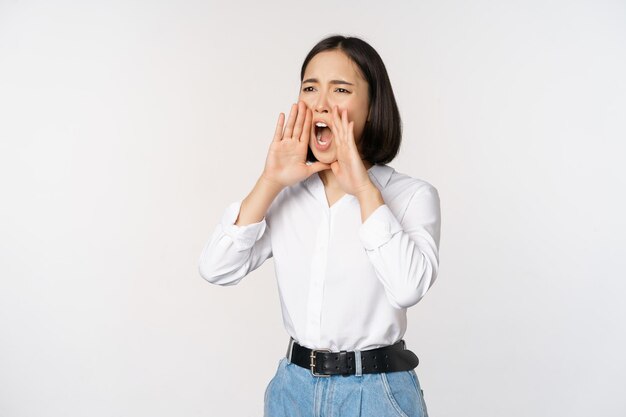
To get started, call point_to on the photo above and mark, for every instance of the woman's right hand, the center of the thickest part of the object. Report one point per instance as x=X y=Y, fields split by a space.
x=286 y=160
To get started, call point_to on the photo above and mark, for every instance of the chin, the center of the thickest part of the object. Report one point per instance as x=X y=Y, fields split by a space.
x=325 y=157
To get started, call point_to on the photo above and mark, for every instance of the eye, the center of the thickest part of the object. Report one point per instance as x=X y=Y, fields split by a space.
x=342 y=90
x=307 y=89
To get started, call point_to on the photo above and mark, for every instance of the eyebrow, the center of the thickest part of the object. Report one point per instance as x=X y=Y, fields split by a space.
x=315 y=80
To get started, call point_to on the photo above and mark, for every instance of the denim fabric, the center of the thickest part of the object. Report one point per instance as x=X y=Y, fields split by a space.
x=294 y=392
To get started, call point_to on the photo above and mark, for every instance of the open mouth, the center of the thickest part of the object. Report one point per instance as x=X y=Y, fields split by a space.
x=323 y=134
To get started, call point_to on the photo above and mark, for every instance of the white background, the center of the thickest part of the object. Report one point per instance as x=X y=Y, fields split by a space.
x=126 y=127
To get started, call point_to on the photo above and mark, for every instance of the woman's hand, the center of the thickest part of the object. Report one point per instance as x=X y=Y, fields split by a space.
x=285 y=164
x=348 y=168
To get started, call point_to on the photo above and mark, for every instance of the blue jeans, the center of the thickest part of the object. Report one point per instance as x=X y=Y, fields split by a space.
x=295 y=392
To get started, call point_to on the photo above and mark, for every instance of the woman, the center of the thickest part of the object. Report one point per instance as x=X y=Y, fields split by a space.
x=355 y=243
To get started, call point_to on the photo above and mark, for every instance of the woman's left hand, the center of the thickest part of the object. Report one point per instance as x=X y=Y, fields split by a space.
x=348 y=168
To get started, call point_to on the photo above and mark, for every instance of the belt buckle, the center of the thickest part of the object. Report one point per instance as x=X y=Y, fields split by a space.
x=312 y=364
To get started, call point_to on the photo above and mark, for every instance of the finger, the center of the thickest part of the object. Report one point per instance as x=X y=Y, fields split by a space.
x=348 y=128
x=351 y=141
x=279 y=127
x=297 y=130
x=290 y=122
x=337 y=128
x=318 y=166
x=306 y=130
x=344 y=119
x=333 y=124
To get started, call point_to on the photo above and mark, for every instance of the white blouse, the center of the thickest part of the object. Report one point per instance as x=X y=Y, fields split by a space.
x=343 y=284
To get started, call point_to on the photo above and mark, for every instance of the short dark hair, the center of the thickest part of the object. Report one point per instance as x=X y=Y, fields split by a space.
x=380 y=141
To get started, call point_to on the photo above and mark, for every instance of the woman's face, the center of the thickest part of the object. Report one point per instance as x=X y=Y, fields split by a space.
x=331 y=79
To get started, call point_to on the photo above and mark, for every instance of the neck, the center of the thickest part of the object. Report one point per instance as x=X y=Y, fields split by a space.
x=330 y=181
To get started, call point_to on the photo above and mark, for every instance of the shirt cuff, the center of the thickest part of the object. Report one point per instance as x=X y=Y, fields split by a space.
x=379 y=228
x=243 y=237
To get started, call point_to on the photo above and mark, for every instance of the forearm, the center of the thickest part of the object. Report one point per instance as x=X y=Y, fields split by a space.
x=233 y=251
x=404 y=248
x=255 y=205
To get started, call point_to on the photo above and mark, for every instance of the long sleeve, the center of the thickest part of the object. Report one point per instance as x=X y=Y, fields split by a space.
x=405 y=254
x=234 y=251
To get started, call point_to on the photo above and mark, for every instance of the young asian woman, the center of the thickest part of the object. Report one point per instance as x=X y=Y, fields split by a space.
x=355 y=243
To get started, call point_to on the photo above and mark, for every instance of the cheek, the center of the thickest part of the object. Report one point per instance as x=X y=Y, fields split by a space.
x=356 y=111
x=358 y=117
x=306 y=100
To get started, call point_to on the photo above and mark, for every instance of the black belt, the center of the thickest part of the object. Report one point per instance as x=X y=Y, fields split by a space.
x=323 y=362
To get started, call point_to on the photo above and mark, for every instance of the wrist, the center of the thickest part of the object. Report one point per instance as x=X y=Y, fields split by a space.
x=370 y=199
x=368 y=192
x=269 y=184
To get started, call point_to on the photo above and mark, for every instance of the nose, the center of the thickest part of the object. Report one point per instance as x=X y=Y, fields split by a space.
x=321 y=105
